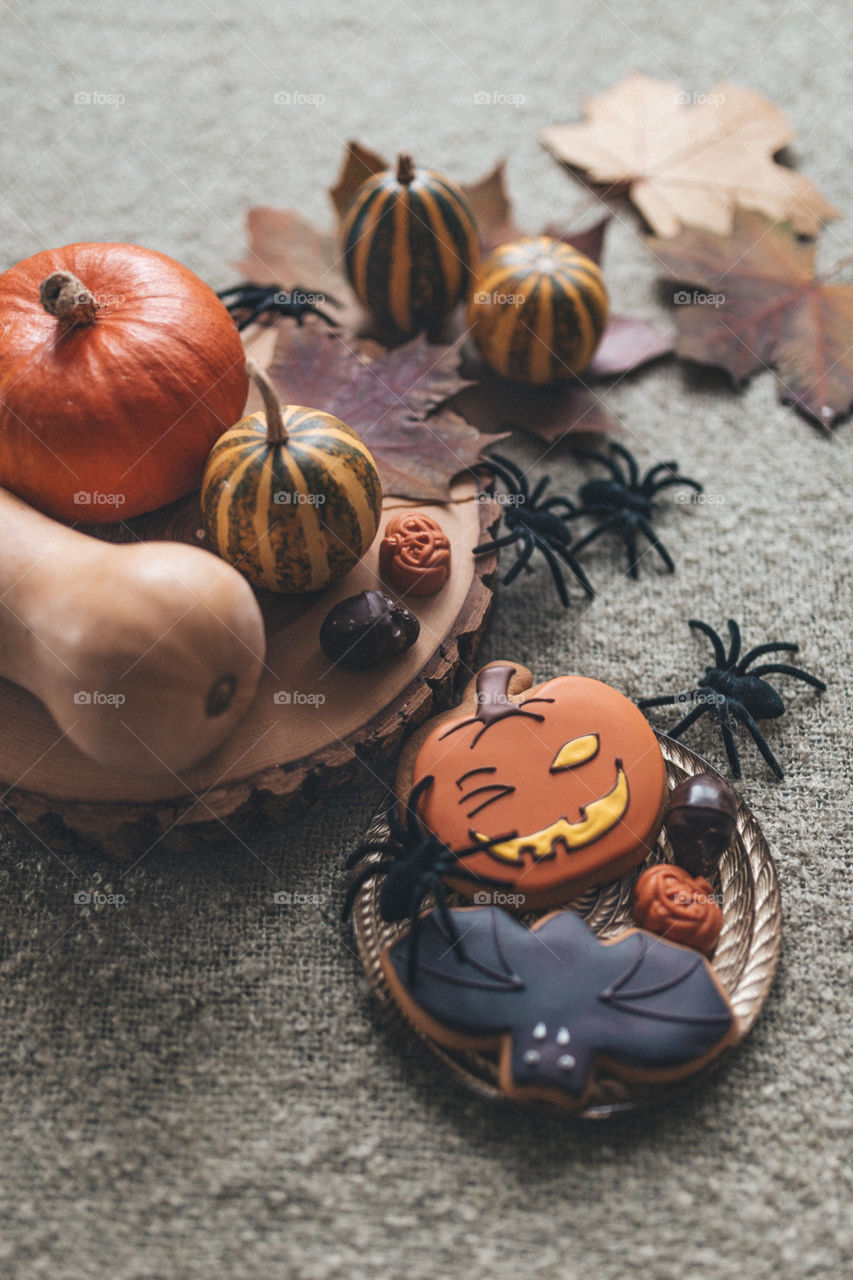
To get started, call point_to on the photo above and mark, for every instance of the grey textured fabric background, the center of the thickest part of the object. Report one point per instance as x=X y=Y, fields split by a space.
x=198 y=1083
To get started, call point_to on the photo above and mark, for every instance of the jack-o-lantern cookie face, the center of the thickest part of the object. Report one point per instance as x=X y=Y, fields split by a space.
x=563 y=784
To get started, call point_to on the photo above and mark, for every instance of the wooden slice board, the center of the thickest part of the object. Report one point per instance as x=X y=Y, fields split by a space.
x=311 y=726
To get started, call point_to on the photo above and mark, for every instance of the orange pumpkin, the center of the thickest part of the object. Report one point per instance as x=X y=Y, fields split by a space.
x=119 y=368
x=563 y=784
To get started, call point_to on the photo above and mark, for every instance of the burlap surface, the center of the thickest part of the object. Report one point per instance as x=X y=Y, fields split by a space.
x=196 y=1083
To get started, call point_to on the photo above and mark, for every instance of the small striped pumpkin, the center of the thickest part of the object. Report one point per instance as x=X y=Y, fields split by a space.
x=291 y=497
x=410 y=247
x=538 y=310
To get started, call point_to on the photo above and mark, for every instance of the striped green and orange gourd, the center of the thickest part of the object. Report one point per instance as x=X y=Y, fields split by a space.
x=290 y=496
x=410 y=247
x=538 y=310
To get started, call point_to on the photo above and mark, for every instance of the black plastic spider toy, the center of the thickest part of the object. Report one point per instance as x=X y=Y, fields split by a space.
x=535 y=525
x=248 y=302
x=625 y=502
x=414 y=866
x=735 y=693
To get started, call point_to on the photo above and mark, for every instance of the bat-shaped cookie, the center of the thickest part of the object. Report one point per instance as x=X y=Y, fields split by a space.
x=557 y=1003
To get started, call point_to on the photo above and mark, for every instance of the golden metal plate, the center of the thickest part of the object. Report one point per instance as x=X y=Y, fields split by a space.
x=744 y=959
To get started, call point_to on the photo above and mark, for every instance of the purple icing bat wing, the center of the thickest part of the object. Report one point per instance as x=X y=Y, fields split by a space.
x=564 y=997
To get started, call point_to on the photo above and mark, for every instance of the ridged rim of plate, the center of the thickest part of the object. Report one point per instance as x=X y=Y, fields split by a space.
x=745 y=958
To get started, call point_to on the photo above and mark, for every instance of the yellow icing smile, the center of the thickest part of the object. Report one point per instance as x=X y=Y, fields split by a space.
x=597 y=818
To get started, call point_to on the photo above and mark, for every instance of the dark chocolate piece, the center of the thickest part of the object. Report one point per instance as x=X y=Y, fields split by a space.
x=562 y=997
x=367 y=629
x=701 y=822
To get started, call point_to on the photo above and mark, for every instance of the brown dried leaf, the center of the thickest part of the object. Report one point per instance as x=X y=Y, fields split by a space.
x=396 y=401
x=690 y=163
x=492 y=208
x=546 y=412
x=627 y=343
x=359 y=164
x=589 y=241
x=762 y=305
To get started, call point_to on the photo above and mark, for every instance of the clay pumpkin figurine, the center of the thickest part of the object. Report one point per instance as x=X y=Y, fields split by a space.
x=414 y=555
x=682 y=908
x=563 y=783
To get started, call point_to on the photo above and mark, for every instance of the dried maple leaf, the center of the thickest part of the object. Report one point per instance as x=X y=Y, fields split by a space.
x=395 y=400
x=762 y=305
x=690 y=160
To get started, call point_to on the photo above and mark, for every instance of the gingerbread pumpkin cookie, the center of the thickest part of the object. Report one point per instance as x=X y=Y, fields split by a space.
x=562 y=784
x=557 y=1004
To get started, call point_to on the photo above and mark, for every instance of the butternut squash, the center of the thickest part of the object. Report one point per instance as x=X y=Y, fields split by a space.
x=146 y=654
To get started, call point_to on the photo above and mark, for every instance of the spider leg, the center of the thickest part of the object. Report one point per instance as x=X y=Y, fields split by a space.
x=302 y=309
x=630 y=534
x=447 y=920
x=666 y=700
x=772 y=647
x=647 y=484
x=719 y=650
x=414 y=945
x=594 y=533
x=759 y=739
x=523 y=557
x=559 y=582
x=783 y=669
x=252 y=316
x=510 y=472
x=646 y=528
x=677 y=730
x=630 y=461
x=413 y=826
x=497 y=542
x=669 y=481
x=375 y=869
x=566 y=554
x=247 y=290
x=539 y=489
x=610 y=463
x=728 y=737
x=364 y=850
x=569 y=508
x=734 y=648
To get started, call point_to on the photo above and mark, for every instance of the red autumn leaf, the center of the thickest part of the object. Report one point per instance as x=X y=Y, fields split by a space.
x=396 y=400
x=757 y=303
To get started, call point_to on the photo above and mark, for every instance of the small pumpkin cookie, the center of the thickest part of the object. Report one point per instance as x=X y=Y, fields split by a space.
x=563 y=784
x=668 y=901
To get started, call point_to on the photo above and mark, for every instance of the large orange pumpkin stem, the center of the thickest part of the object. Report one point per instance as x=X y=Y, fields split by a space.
x=64 y=296
x=276 y=430
x=405 y=169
